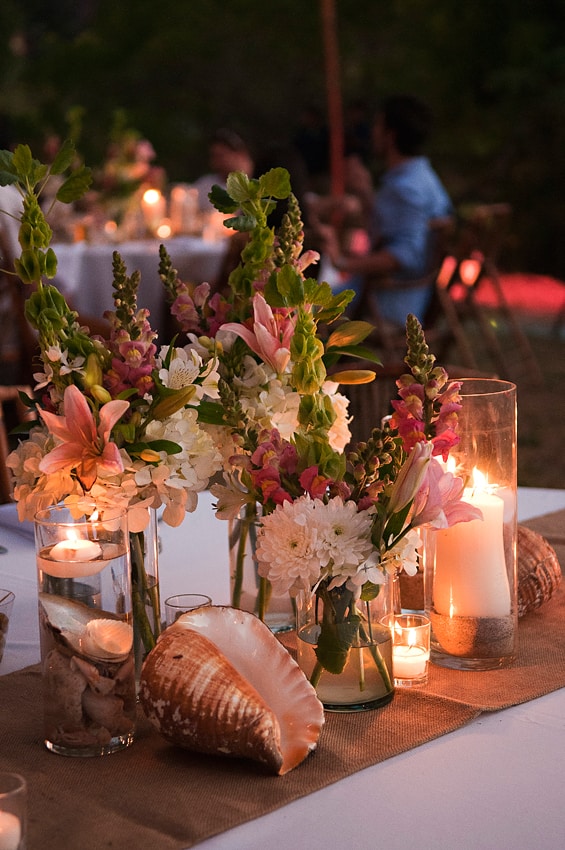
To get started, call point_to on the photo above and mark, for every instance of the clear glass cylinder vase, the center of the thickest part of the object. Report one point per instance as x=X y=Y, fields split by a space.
x=250 y=592
x=470 y=568
x=344 y=646
x=86 y=632
x=146 y=597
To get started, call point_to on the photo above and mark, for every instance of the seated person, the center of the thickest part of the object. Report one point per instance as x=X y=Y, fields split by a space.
x=410 y=197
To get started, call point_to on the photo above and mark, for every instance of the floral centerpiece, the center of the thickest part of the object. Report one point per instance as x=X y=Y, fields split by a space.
x=251 y=389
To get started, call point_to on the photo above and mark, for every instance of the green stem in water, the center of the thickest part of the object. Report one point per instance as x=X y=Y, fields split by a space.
x=144 y=595
x=244 y=526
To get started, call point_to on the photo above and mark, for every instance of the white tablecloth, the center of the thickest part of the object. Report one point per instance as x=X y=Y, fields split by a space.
x=84 y=271
x=497 y=783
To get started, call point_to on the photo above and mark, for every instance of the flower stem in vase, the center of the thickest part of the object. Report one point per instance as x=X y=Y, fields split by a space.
x=243 y=528
x=145 y=596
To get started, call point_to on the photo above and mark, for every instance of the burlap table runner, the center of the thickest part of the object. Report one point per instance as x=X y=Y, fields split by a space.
x=154 y=797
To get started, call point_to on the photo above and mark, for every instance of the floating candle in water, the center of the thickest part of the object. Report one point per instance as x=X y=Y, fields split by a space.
x=77 y=549
x=10 y=831
x=72 y=558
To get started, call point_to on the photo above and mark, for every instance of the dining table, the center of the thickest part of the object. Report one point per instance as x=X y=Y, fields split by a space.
x=492 y=778
x=85 y=276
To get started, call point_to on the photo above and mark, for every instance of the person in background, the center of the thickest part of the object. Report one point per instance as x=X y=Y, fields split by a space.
x=392 y=274
x=227 y=152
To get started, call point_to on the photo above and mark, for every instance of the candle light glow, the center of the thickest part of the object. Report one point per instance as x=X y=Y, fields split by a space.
x=10 y=831
x=470 y=572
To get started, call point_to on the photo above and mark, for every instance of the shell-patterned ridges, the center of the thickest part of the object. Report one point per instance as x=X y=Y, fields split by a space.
x=196 y=699
x=539 y=573
x=239 y=634
x=290 y=716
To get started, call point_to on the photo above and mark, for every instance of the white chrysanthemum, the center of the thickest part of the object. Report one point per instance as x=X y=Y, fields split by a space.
x=344 y=537
x=287 y=547
x=304 y=540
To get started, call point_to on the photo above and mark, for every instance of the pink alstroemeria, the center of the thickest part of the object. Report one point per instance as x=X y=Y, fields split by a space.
x=85 y=448
x=271 y=335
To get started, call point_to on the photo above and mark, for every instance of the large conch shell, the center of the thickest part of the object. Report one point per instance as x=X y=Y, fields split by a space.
x=539 y=573
x=218 y=681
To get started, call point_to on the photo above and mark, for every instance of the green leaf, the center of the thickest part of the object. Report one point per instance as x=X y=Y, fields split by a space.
x=291 y=286
x=7 y=179
x=332 y=355
x=240 y=187
x=242 y=223
x=275 y=183
x=167 y=446
x=211 y=413
x=75 y=185
x=335 y=641
x=64 y=158
x=7 y=161
x=221 y=200
x=350 y=332
x=23 y=161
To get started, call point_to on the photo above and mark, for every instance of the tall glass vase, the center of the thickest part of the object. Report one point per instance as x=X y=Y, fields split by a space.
x=470 y=568
x=249 y=591
x=85 y=626
x=147 y=620
x=344 y=645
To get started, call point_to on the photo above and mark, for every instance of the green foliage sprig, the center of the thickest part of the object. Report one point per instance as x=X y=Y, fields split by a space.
x=29 y=176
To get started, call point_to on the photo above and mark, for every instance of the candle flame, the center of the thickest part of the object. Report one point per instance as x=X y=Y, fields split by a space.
x=412 y=637
x=151 y=196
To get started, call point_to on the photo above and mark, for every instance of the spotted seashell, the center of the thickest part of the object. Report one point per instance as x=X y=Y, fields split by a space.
x=539 y=573
x=107 y=639
x=220 y=682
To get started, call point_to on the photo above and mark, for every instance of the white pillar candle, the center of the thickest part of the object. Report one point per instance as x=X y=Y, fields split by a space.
x=471 y=578
x=409 y=662
x=10 y=831
x=154 y=207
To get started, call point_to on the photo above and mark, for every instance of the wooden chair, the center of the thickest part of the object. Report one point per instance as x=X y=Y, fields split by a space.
x=12 y=411
x=472 y=262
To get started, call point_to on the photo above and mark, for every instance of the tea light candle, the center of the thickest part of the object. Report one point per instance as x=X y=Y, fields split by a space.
x=409 y=662
x=470 y=578
x=10 y=831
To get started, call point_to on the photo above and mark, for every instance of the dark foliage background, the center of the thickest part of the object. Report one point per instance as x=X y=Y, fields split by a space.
x=494 y=73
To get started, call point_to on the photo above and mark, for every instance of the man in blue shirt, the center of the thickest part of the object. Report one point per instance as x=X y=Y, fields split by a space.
x=411 y=197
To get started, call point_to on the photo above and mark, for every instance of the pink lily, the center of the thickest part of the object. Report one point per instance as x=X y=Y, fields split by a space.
x=439 y=501
x=85 y=447
x=271 y=335
x=410 y=477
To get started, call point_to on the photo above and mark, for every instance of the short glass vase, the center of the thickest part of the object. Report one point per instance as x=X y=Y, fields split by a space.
x=344 y=646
